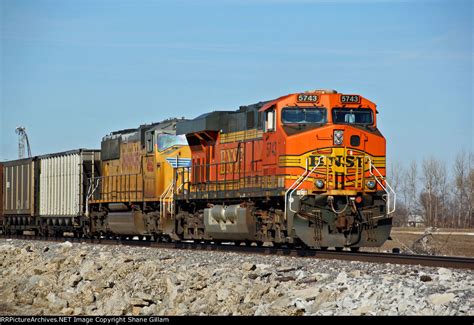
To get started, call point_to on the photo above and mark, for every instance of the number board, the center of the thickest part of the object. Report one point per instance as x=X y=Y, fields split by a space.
x=305 y=98
x=350 y=99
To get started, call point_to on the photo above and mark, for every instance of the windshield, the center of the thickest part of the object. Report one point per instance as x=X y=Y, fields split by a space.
x=167 y=140
x=352 y=116
x=300 y=115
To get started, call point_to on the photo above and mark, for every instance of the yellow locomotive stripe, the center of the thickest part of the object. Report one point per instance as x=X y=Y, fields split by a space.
x=241 y=136
x=334 y=153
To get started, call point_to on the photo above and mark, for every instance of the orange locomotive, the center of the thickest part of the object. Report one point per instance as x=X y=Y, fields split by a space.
x=306 y=168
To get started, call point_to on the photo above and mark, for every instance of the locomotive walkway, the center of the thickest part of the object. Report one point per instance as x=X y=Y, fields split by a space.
x=370 y=257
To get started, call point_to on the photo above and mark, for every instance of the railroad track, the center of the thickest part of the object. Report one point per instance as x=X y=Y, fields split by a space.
x=372 y=257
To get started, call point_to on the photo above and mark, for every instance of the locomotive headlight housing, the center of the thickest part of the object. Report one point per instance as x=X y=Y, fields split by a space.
x=338 y=137
x=371 y=184
x=319 y=184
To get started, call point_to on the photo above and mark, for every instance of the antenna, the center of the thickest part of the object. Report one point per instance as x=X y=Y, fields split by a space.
x=22 y=140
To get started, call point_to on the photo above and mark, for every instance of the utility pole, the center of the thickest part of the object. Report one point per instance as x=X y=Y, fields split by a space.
x=22 y=141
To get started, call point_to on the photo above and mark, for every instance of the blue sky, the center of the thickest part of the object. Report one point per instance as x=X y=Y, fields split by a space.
x=73 y=71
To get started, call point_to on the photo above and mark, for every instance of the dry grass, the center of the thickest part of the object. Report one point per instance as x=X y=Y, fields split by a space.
x=439 y=244
x=422 y=229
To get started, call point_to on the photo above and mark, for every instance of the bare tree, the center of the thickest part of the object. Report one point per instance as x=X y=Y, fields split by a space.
x=443 y=216
x=428 y=191
x=461 y=188
x=411 y=188
x=470 y=191
x=443 y=199
x=408 y=191
x=435 y=191
x=396 y=175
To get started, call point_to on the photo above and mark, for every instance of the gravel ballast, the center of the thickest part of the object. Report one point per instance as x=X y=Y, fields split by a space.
x=45 y=278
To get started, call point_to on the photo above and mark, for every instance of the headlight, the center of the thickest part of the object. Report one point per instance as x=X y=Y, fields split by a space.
x=319 y=183
x=338 y=136
x=371 y=184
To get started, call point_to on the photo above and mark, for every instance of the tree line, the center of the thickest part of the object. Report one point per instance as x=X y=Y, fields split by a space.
x=433 y=192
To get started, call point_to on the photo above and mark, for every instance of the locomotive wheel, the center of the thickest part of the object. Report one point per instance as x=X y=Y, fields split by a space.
x=355 y=249
x=339 y=249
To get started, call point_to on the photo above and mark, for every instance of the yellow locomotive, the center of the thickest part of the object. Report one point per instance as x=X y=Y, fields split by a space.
x=137 y=183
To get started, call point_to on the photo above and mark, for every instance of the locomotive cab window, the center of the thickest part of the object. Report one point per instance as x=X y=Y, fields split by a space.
x=302 y=115
x=270 y=121
x=166 y=141
x=361 y=116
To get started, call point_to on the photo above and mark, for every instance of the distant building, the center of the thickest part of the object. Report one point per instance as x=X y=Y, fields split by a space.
x=415 y=220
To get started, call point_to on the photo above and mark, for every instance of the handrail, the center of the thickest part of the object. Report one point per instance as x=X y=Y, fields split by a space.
x=298 y=183
x=112 y=187
x=163 y=197
x=291 y=187
x=312 y=170
x=90 y=192
x=385 y=187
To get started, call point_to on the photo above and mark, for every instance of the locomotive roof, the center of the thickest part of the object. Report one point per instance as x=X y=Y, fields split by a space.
x=227 y=121
x=210 y=113
x=165 y=125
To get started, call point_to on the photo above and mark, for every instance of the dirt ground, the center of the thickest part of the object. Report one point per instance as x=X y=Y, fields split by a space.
x=454 y=242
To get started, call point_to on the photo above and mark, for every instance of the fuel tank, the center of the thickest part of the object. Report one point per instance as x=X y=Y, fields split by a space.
x=127 y=222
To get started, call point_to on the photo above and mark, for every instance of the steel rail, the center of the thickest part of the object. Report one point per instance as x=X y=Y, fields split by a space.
x=370 y=257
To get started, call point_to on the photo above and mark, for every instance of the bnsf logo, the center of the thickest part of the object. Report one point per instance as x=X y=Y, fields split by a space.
x=338 y=161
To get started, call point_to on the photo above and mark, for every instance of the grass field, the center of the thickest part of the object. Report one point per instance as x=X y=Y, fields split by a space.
x=455 y=242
